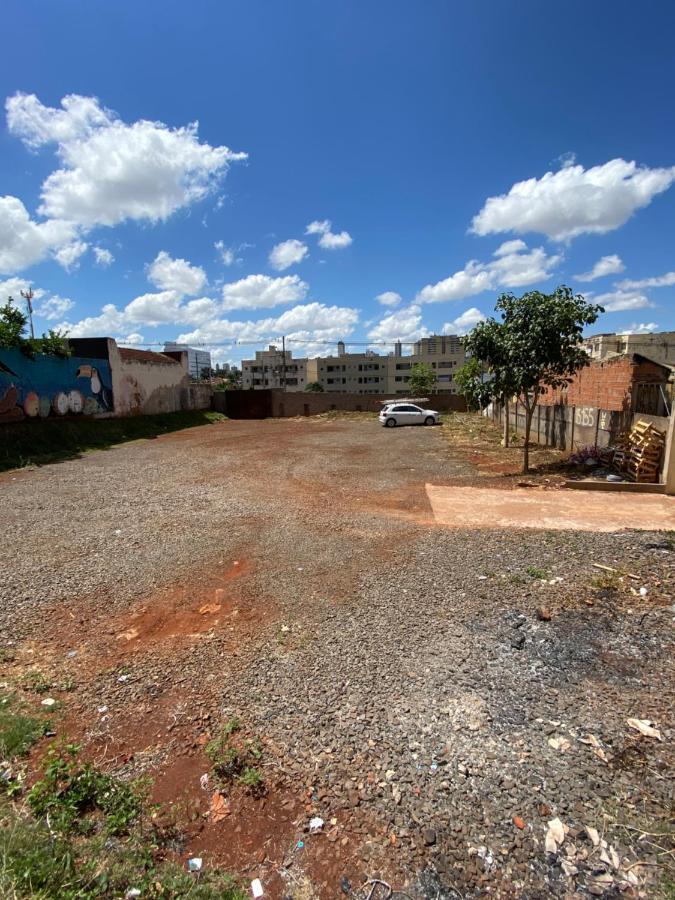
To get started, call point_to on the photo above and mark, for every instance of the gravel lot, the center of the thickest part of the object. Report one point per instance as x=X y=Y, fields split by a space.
x=437 y=696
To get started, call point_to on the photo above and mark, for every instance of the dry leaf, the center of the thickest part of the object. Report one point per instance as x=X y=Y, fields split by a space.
x=518 y=822
x=644 y=726
x=220 y=808
x=559 y=743
x=593 y=835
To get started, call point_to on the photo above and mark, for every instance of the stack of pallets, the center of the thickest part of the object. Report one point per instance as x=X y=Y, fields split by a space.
x=642 y=457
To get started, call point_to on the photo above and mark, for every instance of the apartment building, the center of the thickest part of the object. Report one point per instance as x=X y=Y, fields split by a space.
x=274 y=368
x=372 y=373
x=658 y=346
x=350 y=373
x=443 y=353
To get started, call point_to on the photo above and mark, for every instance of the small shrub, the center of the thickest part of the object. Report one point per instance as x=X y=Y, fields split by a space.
x=534 y=572
x=233 y=757
x=70 y=790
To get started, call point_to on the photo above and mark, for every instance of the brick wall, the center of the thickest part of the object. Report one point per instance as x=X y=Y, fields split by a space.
x=606 y=384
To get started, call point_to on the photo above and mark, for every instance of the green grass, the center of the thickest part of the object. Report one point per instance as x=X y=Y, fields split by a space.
x=81 y=833
x=534 y=572
x=18 y=732
x=51 y=440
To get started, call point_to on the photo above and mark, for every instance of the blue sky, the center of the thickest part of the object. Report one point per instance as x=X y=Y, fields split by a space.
x=431 y=155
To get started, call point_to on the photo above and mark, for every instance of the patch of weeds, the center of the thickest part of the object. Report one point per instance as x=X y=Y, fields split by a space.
x=534 y=572
x=251 y=778
x=36 y=682
x=234 y=757
x=86 y=862
x=18 y=732
x=70 y=790
x=6 y=655
x=607 y=581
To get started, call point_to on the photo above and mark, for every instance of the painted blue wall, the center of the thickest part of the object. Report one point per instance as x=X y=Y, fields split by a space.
x=53 y=386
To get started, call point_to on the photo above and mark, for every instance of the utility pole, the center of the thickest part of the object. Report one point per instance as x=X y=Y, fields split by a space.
x=28 y=297
x=283 y=362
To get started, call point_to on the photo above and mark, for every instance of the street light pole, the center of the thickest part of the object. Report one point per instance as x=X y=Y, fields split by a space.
x=283 y=362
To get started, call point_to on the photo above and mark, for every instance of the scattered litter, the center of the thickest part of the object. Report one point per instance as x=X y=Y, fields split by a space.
x=595 y=746
x=518 y=822
x=315 y=825
x=118 y=531
x=643 y=591
x=70 y=655
x=103 y=709
x=559 y=743
x=123 y=678
x=593 y=835
x=482 y=577
x=204 y=781
x=555 y=836
x=194 y=864
x=299 y=845
x=256 y=887
x=301 y=569
x=48 y=701
x=568 y=868
x=644 y=726
x=220 y=808
x=434 y=766
x=346 y=885
x=131 y=893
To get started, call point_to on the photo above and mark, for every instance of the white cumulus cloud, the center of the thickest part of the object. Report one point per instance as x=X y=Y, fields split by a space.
x=23 y=241
x=328 y=239
x=112 y=171
x=287 y=253
x=402 y=324
x=464 y=323
x=54 y=308
x=619 y=301
x=658 y=281
x=312 y=322
x=641 y=328
x=574 y=200
x=12 y=287
x=177 y=275
x=263 y=291
x=104 y=258
x=69 y=255
x=514 y=265
x=606 y=265
x=389 y=298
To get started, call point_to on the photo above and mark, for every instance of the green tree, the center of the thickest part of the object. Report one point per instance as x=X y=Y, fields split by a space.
x=12 y=327
x=422 y=379
x=535 y=345
x=468 y=378
x=314 y=386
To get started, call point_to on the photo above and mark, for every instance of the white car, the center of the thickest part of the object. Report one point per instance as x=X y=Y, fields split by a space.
x=407 y=414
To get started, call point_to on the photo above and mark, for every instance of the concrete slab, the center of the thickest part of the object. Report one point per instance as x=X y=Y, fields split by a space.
x=475 y=507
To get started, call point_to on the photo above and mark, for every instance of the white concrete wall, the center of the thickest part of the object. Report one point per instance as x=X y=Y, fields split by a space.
x=147 y=388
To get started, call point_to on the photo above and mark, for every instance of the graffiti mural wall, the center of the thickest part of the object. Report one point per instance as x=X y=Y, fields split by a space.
x=54 y=386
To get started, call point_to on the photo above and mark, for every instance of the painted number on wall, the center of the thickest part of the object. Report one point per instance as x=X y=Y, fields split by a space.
x=585 y=415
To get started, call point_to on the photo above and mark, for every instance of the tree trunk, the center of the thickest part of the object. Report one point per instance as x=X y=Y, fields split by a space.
x=506 y=423
x=529 y=415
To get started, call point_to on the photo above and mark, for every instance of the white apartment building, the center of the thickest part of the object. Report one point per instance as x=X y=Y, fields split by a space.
x=372 y=373
x=274 y=368
x=658 y=346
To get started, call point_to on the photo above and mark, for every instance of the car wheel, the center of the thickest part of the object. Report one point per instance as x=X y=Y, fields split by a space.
x=430 y=420
x=390 y=423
